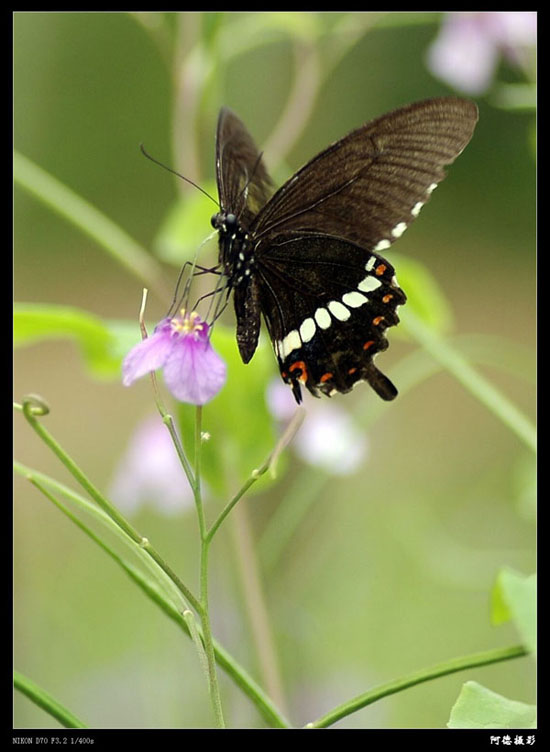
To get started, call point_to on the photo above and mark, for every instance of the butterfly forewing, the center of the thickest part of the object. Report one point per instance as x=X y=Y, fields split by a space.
x=244 y=185
x=308 y=257
x=369 y=186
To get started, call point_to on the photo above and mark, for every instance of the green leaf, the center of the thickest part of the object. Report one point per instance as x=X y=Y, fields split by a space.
x=425 y=297
x=103 y=344
x=38 y=322
x=237 y=420
x=479 y=707
x=514 y=596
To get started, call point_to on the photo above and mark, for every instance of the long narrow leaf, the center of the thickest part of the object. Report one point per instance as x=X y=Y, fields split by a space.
x=45 y=701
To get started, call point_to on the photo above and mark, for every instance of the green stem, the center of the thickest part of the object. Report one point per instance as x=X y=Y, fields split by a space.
x=418 y=677
x=189 y=618
x=240 y=493
x=33 y=406
x=197 y=472
x=169 y=423
x=44 y=700
x=213 y=687
x=215 y=698
x=270 y=462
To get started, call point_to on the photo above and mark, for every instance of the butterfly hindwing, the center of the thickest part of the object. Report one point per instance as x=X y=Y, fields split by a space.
x=328 y=316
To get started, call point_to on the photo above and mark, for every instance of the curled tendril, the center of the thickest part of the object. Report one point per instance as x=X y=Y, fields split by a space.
x=35 y=406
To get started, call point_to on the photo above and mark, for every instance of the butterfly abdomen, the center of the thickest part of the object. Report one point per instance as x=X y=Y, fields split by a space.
x=238 y=262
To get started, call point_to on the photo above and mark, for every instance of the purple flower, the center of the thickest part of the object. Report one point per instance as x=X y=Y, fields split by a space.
x=193 y=372
x=467 y=50
x=328 y=438
x=150 y=472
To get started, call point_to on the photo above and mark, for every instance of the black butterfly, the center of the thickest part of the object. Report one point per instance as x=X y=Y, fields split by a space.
x=307 y=256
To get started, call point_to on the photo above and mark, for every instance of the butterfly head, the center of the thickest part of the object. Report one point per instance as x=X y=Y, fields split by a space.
x=225 y=222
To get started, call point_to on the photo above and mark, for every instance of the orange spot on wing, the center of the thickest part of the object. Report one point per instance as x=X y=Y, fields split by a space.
x=377 y=320
x=380 y=269
x=352 y=370
x=387 y=298
x=368 y=344
x=303 y=368
x=326 y=377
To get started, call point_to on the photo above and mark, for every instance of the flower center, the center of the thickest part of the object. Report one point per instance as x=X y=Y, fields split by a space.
x=187 y=324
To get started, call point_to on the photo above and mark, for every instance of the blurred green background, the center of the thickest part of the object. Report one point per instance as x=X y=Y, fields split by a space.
x=391 y=569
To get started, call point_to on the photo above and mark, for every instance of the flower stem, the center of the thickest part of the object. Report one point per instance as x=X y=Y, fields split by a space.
x=215 y=698
x=164 y=414
x=213 y=687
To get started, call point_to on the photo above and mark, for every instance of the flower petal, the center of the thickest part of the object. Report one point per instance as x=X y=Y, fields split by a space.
x=148 y=355
x=194 y=372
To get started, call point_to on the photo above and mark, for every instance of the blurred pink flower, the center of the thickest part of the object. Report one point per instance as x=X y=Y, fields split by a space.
x=469 y=44
x=150 y=472
x=328 y=437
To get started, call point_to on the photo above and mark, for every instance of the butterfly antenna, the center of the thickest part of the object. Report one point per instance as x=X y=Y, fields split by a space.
x=179 y=175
